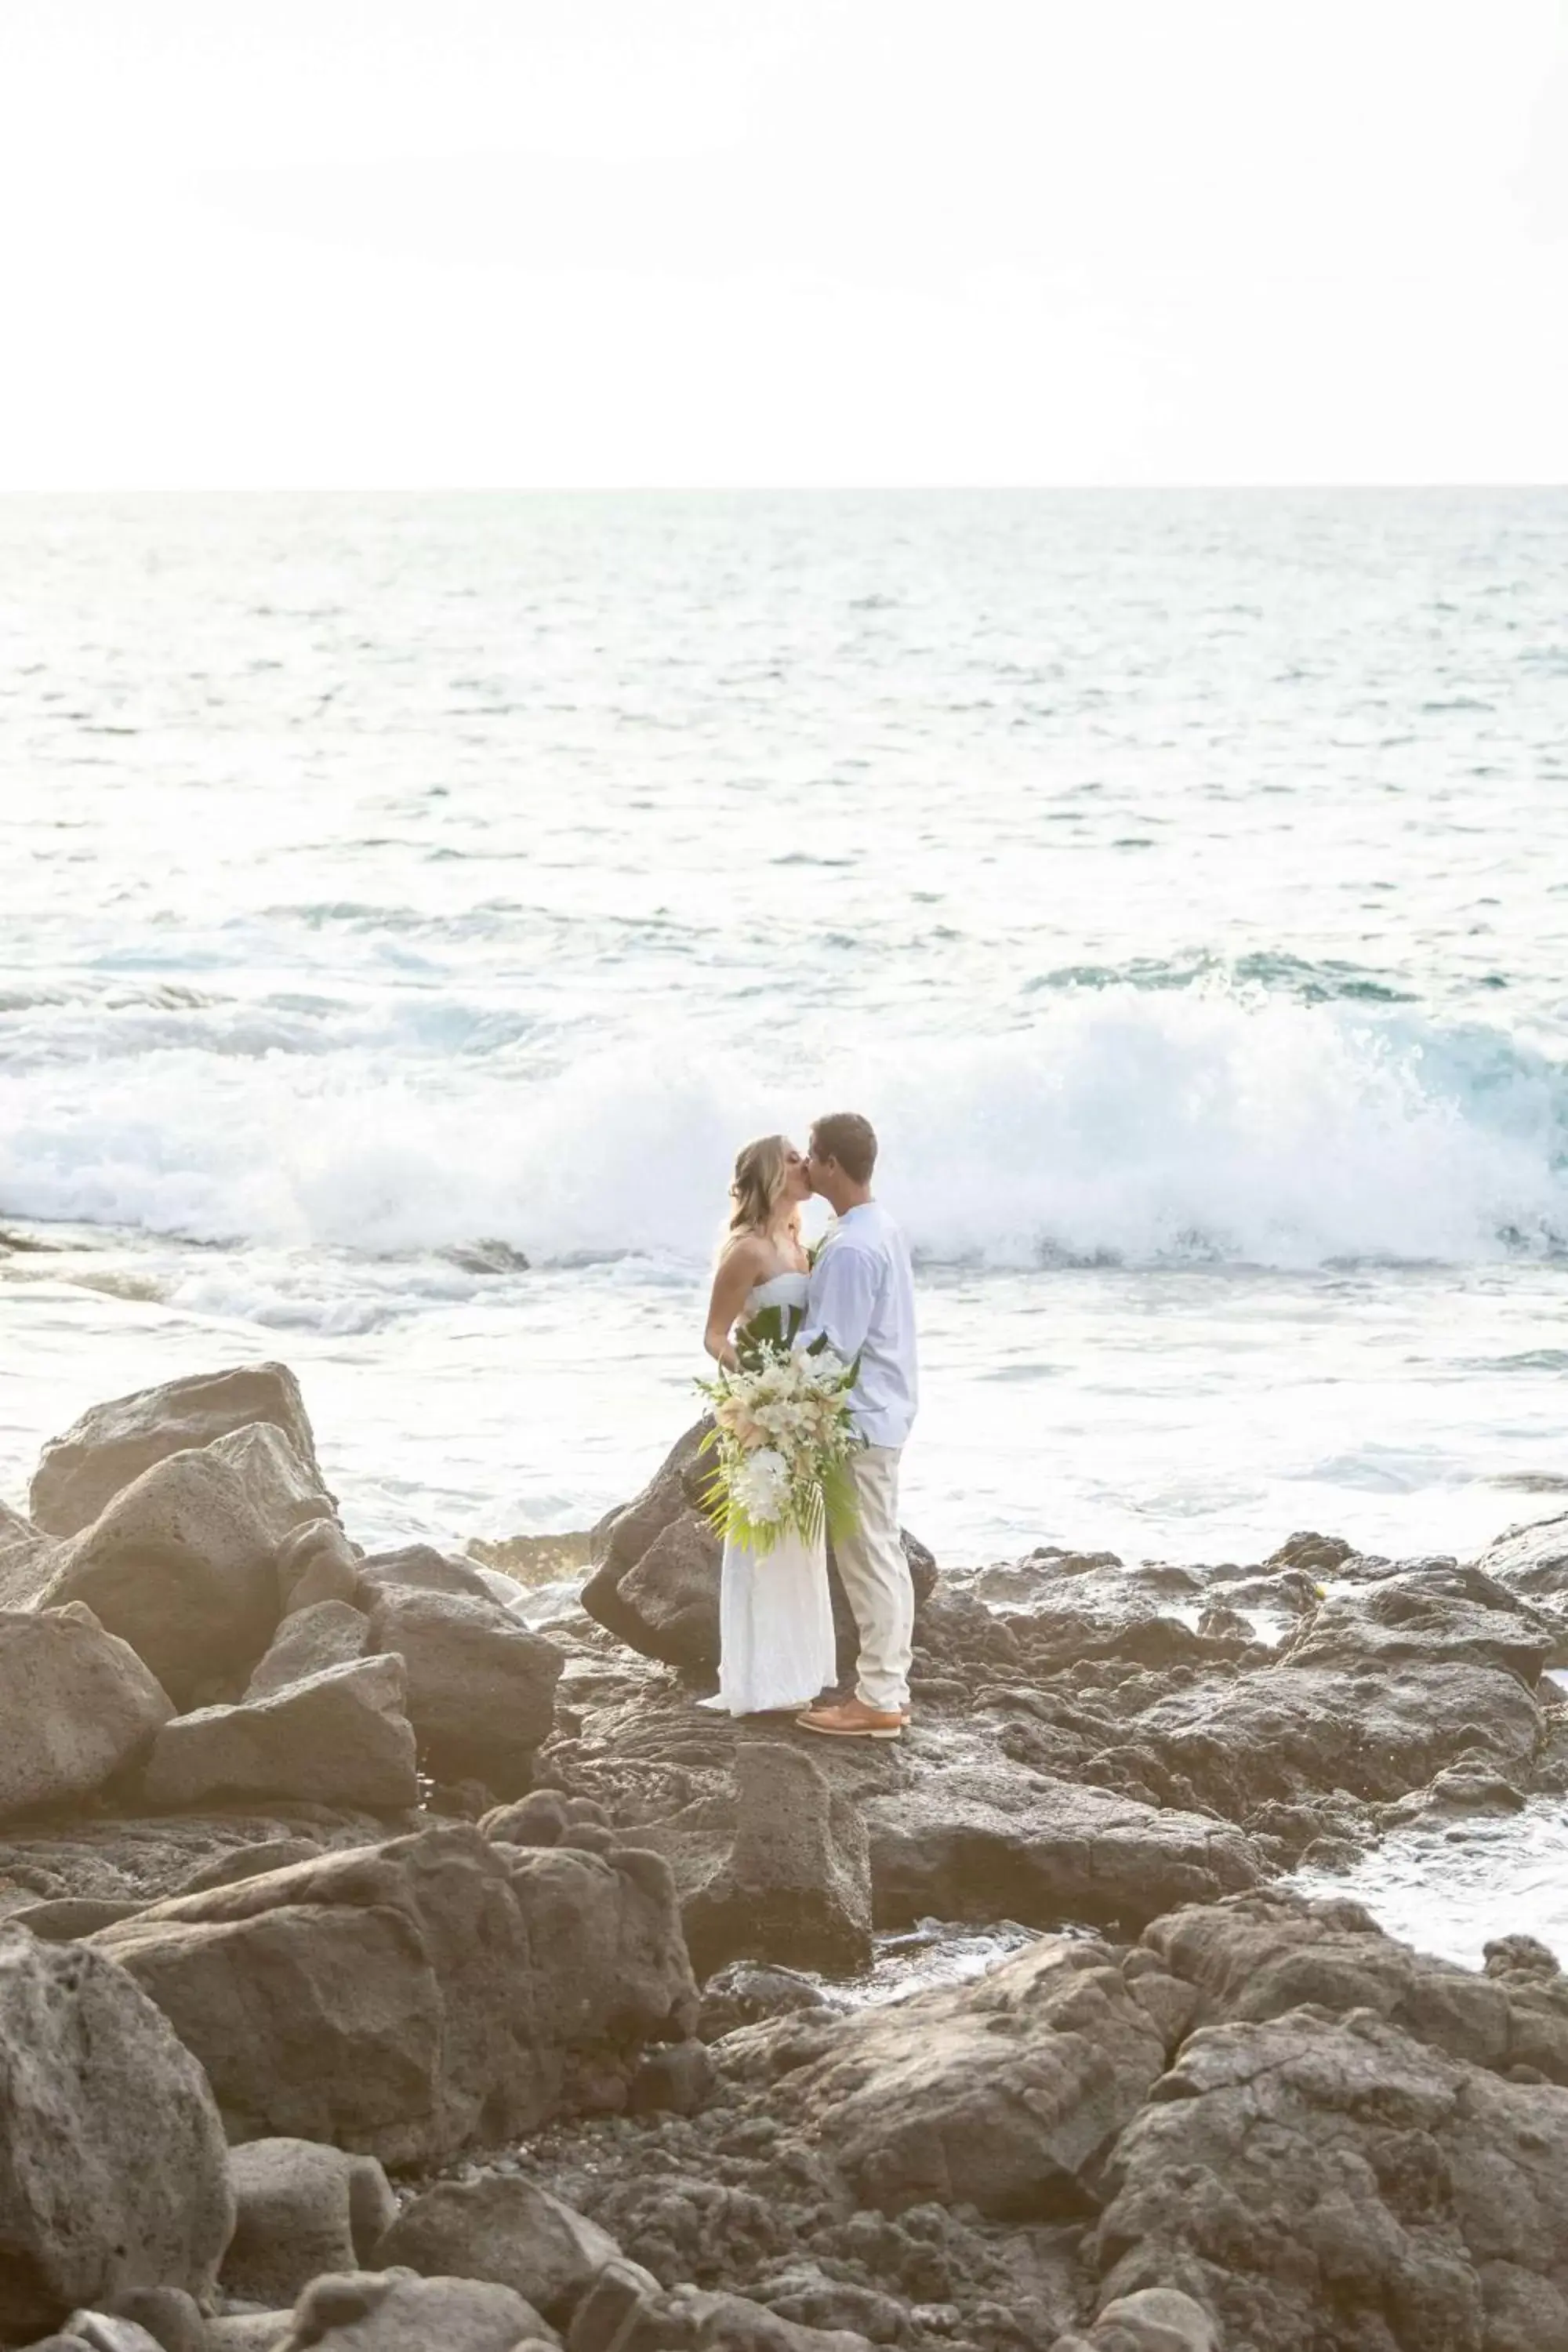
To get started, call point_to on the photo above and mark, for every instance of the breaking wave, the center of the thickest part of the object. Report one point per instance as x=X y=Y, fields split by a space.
x=1123 y=1123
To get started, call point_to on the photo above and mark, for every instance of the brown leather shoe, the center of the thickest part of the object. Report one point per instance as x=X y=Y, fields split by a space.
x=852 y=1719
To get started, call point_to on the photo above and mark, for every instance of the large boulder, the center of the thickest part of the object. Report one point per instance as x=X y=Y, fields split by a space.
x=132 y=1860
x=481 y=1687
x=1008 y=2094
x=326 y=1633
x=179 y=1565
x=665 y=1604
x=77 y=1705
x=112 y=2171
x=1257 y=1955
x=411 y=1998
x=784 y=1873
x=340 y=1737
x=301 y=2209
x=26 y=1552
x=656 y=1586
x=113 y=1444
x=973 y=1842
x=284 y=1486
x=505 y=2229
x=395 y=2311
x=419 y=1567
x=610 y=1970
x=1322 y=2180
x=1283 y=1733
x=1532 y=1560
x=1437 y=1612
x=315 y=1562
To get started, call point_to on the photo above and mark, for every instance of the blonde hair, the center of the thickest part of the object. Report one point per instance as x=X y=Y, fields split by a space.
x=758 y=1184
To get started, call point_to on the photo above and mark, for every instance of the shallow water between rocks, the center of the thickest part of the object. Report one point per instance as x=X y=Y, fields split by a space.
x=936 y=1952
x=1450 y=1887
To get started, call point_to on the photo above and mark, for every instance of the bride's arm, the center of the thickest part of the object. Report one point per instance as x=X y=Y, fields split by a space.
x=737 y=1271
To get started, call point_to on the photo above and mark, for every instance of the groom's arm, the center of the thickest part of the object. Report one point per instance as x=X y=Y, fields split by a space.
x=841 y=1300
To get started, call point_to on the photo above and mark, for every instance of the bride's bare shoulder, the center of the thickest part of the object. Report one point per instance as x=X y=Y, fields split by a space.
x=749 y=1251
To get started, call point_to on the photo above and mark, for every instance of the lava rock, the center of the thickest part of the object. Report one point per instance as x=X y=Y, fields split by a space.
x=655 y=1587
x=536 y=1819
x=1001 y=1841
x=418 y=1568
x=315 y=1563
x=24 y=1555
x=1264 y=1954
x=339 y=1737
x=300 y=2209
x=1438 y=1613
x=327 y=1633
x=414 y=1997
x=1006 y=2095
x=747 y=1993
x=394 y=2311
x=505 y=2229
x=481 y=1687
x=112 y=2170
x=179 y=1564
x=114 y=1444
x=1314 y=2168
x=675 y=2078
x=627 y=2312
x=77 y=1703
x=796 y=1886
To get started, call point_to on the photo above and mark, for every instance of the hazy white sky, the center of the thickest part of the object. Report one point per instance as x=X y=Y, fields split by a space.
x=366 y=241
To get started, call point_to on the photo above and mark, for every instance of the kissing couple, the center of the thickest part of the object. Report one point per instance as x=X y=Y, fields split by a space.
x=775 y=1611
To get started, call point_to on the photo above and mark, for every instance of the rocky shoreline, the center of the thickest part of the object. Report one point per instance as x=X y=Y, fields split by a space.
x=379 y=1971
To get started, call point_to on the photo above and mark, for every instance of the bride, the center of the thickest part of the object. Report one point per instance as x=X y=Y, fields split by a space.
x=775 y=1615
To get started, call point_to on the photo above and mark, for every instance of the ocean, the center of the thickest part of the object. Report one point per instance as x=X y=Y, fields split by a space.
x=411 y=903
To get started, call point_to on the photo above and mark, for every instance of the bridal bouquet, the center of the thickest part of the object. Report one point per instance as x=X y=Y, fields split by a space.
x=783 y=1438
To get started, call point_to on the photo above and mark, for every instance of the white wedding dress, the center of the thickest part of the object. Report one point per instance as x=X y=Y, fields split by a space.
x=775 y=1615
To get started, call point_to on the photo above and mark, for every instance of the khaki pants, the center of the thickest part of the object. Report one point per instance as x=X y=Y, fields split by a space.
x=877 y=1585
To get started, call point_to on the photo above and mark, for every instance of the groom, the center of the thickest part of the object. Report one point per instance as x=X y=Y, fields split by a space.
x=862 y=1302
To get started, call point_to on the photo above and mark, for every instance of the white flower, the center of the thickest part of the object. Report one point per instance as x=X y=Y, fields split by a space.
x=761 y=1486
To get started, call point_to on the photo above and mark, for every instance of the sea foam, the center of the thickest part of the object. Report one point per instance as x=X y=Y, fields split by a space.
x=1206 y=1124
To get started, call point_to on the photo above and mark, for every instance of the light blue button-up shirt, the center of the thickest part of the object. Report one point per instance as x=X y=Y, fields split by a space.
x=862 y=1300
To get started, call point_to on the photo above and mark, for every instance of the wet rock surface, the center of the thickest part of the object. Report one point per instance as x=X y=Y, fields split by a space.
x=1005 y=2095
x=1189 y=2109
